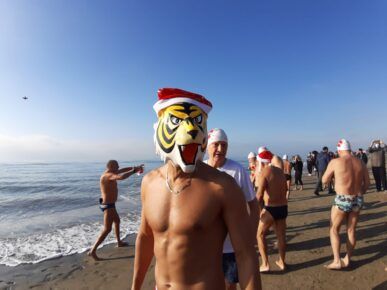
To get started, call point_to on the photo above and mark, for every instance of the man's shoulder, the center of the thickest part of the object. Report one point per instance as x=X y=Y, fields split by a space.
x=233 y=165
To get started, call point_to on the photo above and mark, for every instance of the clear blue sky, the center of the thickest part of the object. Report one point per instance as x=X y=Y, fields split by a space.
x=292 y=75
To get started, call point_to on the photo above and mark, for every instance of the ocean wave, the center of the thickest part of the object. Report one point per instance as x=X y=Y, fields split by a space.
x=38 y=247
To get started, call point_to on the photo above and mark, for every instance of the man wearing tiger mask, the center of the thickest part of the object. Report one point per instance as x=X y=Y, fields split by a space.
x=188 y=207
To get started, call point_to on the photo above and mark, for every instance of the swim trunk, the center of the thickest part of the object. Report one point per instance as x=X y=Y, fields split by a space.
x=230 y=269
x=348 y=203
x=277 y=212
x=288 y=177
x=105 y=206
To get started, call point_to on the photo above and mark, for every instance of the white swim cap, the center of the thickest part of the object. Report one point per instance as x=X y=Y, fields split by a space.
x=217 y=135
x=251 y=155
x=343 y=145
x=285 y=157
x=261 y=149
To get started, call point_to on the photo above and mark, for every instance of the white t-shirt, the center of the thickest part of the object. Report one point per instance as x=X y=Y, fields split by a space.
x=242 y=178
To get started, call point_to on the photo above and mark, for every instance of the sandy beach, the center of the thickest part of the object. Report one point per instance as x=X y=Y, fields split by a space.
x=308 y=251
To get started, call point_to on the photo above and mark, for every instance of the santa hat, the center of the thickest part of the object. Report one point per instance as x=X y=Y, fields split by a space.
x=217 y=135
x=170 y=96
x=343 y=145
x=265 y=156
x=251 y=155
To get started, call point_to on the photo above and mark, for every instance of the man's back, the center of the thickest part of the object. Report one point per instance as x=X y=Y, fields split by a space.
x=276 y=188
x=189 y=228
x=349 y=174
x=322 y=161
x=287 y=167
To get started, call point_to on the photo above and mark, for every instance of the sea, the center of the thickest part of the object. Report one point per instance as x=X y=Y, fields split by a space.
x=49 y=210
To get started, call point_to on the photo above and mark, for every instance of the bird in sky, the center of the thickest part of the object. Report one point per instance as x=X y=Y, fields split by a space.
x=25 y=98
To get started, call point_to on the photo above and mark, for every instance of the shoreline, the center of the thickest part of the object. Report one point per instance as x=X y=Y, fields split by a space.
x=308 y=250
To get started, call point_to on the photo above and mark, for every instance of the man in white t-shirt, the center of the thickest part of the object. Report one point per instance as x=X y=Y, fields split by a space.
x=217 y=151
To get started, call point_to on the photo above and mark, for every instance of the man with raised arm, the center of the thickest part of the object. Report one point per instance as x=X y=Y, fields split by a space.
x=188 y=207
x=351 y=183
x=107 y=202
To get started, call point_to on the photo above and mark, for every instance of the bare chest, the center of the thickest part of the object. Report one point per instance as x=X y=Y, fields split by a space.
x=190 y=211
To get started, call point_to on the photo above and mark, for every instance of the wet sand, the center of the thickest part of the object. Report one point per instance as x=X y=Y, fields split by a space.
x=308 y=251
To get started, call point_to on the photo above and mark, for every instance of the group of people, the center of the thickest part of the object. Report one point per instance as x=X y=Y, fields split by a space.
x=201 y=220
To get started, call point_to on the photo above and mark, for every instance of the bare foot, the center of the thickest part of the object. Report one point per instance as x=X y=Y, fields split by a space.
x=334 y=265
x=281 y=265
x=93 y=254
x=122 y=244
x=345 y=261
x=264 y=269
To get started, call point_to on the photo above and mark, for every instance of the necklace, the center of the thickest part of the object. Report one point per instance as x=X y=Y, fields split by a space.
x=178 y=191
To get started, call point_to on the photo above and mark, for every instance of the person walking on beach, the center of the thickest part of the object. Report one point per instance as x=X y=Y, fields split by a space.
x=298 y=166
x=107 y=202
x=351 y=183
x=378 y=163
x=322 y=161
x=217 y=154
x=252 y=159
x=288 y=174
x=309 y=163
x=188 y=206
x=271 y=192
x=362 y=156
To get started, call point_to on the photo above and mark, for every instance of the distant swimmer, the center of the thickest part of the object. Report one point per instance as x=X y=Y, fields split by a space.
x=107 y=202
x=272 y=191
x=351 y=183
x=188 y=207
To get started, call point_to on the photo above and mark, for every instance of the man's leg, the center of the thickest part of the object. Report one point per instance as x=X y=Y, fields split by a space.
x=265 y=223
x=280 y=230
x=353 y=217
x=383 y=177
x=337 y=217
x=318 y=184
x=375 y=172
x=116 y=222
x=107 y=222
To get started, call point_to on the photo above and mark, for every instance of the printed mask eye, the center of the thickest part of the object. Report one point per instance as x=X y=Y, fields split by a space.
x=198 y=119
x=175 y=120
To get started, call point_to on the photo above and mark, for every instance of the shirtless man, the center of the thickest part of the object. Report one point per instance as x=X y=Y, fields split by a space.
x=109 y=194
x=288 y=174
x=188 y=207
x=252 y=158
x=351 y=182
x=272 y=191
x=217 y=152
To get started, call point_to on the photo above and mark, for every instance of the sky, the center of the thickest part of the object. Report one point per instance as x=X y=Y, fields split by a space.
x=291 y=75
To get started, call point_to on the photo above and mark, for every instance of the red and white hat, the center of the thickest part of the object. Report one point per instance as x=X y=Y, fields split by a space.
x=265 y=156
x=171 y=96
x=343 y=145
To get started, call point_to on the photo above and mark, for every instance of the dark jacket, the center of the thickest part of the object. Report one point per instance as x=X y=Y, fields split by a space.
x=322 y=161
x=363 y=157
x=377 y=156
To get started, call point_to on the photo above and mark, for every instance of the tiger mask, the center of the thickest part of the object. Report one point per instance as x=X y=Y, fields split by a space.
x=181 y=131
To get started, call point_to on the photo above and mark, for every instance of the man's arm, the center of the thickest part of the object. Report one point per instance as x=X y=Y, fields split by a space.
x=144 y=247
x=125 y=169
x=328 y=173
x=261 y=190
x=242 y=239
x=366 y=180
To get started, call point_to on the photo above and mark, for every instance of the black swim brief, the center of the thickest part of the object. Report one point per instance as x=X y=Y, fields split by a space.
x=288 y=176
x=105 y=206
x=278 y=212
